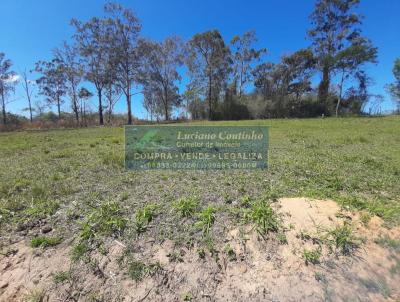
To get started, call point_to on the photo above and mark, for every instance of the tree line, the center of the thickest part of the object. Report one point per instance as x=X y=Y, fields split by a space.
x=227 y=80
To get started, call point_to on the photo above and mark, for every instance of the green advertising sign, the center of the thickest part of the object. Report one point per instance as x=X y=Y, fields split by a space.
x=196 y=147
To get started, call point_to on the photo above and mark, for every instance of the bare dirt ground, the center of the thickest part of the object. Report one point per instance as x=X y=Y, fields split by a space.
x=255 y=269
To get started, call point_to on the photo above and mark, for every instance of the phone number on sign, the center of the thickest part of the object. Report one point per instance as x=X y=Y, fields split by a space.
x=165 y=165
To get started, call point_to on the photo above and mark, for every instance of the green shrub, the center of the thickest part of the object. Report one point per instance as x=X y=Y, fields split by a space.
x=230 y=253
x=312 y=256
x=44 y=242
x=105 y=220
x=143 y=217
x=264 y=217
x=186 y=206
x=206 y=219
x=60 y=277
x=343 y=239
x=138 y=270
x=40 y=208
x=79 y=251
x=365 y=218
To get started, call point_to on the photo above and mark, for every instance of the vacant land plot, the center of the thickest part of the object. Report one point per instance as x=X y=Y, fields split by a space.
x=322 y=223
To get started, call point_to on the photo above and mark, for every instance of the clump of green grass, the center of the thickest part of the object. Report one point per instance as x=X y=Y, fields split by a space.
x=114 y=159
x=227 y=198
x=38 y=191
x=264 y=217
x=312 y=256
x=35 y=295
x=201 y=253
x=175 y=257
x=144 y=216
x=230 y=253
x=13 y=187
x=245 y=201
x=80 y=251
x=320 y=277
x=343 y=239
x=304 y=235
x=63 y=154
x=42 y=207
x=124 y=196
x=365 y=218
x=138 y=270
x=45 y=242
x=207 y=218
x=61 y=277
x=106 y=220
x=96 y=297
x=281 y=237
x=186 y=207
x=187 y=297
x=9 y=207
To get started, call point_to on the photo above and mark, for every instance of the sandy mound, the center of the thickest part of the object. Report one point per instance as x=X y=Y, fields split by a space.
x=256 y=269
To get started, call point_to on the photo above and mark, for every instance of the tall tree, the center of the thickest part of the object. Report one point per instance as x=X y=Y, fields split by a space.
x=84 y=95
x=125 y=27
x=27 y=85
x=298 y=70
x=52 y=82
x=8 y=80
x=209 y=62
x=151 y=102
x=334 y=28
x=244 y=56
x=283 y=85
x=194 y=104
x=113 y=94
x=93 y=41
x=72 y=69
x=349 y=62
x=357 y=96
x=394 y=88
x=263 y=79
x=160 y=72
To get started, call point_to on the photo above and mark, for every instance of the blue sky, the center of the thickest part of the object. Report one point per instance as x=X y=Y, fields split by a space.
x=30 y=29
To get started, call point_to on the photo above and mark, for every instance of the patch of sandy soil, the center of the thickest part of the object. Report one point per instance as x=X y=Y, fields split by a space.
x=23 y=269
x=262 y=269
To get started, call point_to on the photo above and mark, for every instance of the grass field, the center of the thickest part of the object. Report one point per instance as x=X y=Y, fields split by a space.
x=69 y=187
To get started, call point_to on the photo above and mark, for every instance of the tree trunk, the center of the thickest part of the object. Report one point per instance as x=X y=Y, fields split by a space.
x=101 y=121
x=323 y=89
x=166 y=103
x=209 y=99
x=84 y=113
x=82 y=116
x=59 y=107
x=3 y=106
x=30 y=107
x=75 y=105
x=166 y=111
x=76 y=110
x=241 y=81
x=128 y=102
x=110 y=103
x=28 y=95
x=340 y=95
